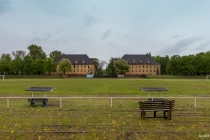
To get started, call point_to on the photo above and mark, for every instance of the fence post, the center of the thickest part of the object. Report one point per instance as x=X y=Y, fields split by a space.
x=60 y=102
x=7 y=102
x=195 y=102
x=111 y=102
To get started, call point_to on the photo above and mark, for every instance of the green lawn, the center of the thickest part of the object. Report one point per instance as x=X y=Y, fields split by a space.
x=106 y=87
x=89 y=119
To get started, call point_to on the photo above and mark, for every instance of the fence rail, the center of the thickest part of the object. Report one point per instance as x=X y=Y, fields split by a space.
x=111 y=99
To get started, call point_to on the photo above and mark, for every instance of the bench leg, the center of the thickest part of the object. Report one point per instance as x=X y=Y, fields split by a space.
x=164 y=115
x=143 y=114
x=169 y=115
x=155 y=114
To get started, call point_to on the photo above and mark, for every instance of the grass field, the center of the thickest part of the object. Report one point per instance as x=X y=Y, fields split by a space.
x=93 y=118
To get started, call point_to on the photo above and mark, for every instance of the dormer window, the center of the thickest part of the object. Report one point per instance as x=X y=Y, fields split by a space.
x=148 y=62
x=76 y=62
x=83 y=61
x=134 y=61
x=140 y=61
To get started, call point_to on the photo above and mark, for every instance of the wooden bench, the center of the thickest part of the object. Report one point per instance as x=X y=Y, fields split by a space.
x=38 y=101
x=157 y=105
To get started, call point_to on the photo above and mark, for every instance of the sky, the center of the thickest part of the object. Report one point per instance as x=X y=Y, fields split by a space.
x=106 y=28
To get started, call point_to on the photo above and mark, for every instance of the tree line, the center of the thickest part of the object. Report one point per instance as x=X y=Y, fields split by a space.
x=35 y=62
x=198 y=64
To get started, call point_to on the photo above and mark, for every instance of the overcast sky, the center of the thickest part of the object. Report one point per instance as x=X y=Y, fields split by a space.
x=106 y=28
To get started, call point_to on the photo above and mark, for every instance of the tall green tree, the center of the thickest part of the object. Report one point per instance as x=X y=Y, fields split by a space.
x=99 y=64
x=64 y=66
x=16 y=65
x=186 y=65
x=38 y=66
x=55 y=54
x=5 y=61
x=27 y=65
x=110 y=67
x=200 y=63
x=49 y=65
x=36 y=52
x=163 y=60
x=121 y=66
x=173 y=65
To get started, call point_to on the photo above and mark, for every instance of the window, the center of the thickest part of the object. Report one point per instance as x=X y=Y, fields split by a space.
x=139 y=70
x=154 y=70
x=154 y=66
x=84 y=66
x=143 y=66
x=136 y=66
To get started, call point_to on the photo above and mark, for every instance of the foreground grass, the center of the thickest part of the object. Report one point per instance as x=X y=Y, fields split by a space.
x=55 y=123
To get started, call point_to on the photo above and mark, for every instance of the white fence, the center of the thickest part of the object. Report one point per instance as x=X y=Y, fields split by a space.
x=110 y=98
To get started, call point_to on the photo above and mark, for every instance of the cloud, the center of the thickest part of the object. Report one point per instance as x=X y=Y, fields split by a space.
x=41 y=40
x=89 y=20
x=106 y=34
x=180 y=46
x=203 y=46
x=4 y=6
x=94 y=7
x=175 y=36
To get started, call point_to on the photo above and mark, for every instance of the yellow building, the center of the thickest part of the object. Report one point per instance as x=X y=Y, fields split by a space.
x=81 y=64
x=141 y=65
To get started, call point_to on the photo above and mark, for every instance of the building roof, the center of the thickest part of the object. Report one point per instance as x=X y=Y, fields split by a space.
x=76 y=59
x=139 y=59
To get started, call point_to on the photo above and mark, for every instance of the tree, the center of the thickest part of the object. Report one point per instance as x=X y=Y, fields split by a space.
x=27 y=64
x=55 y=54
x=49 y=65
x=5 y=61
x=121 y=66
x=99 y=64
x=173 y=65
x=38 y=66
x=110 y=68
x=64 y=66
x=186 y=65
x=163 y=62
x=21 y=54
x=36 y=52
x=16 y=65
